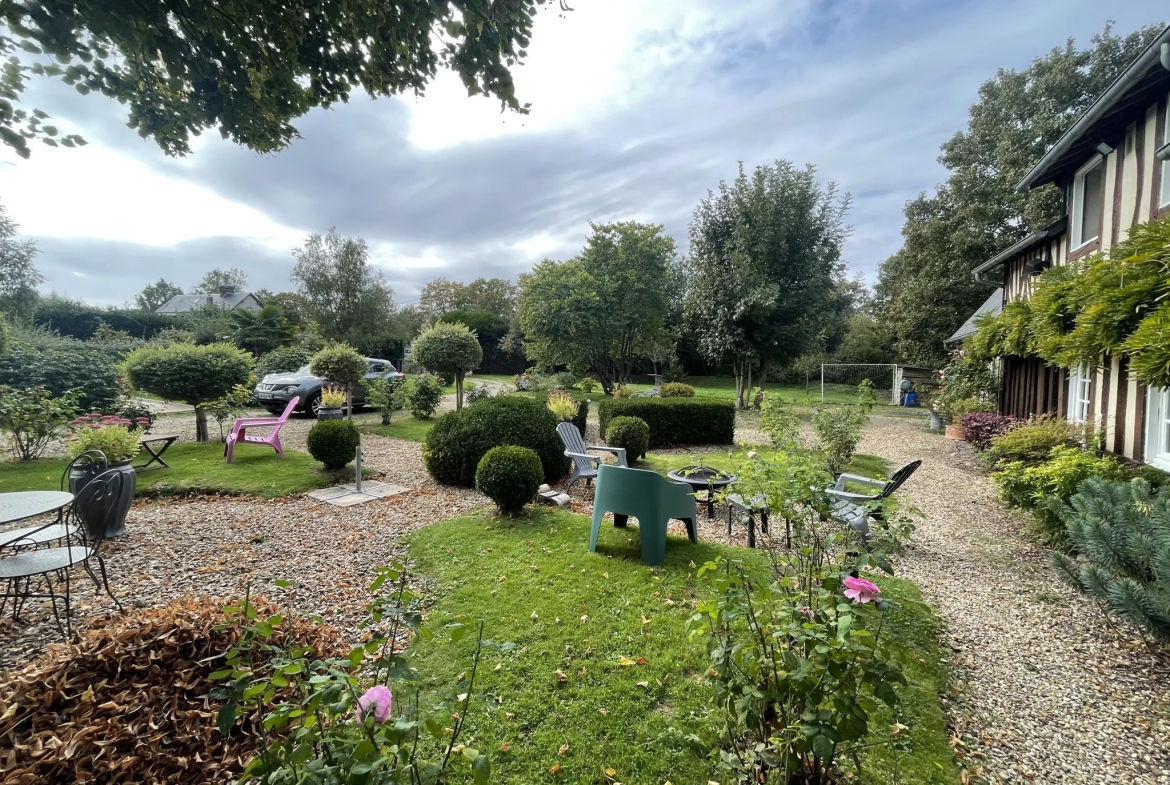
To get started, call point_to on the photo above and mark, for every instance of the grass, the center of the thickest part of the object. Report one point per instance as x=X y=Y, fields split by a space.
x=402 y=426
x=197 y=469
x=533 y=583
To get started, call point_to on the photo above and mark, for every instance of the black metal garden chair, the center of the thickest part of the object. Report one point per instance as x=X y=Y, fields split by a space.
x=24 y=571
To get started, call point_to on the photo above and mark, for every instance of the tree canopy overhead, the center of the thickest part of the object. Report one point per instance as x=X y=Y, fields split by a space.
x=249 y=67
x=925 y=290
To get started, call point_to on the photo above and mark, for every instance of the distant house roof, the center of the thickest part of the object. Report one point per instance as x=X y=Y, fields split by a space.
x=226 y=299
x=1138 y=86
x=1027 y=244
x=991 y=306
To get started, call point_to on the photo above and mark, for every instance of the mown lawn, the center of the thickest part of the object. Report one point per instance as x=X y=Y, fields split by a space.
x=728 y=458
x=197 y=469
x=402 y=426
x=571 y=696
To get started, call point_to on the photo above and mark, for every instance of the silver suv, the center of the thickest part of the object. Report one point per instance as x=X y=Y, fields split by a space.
x=276 y=389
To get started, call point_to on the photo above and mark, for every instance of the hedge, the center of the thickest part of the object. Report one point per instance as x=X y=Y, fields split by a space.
x=675 y=420
x=581 y=418
x=91 y=372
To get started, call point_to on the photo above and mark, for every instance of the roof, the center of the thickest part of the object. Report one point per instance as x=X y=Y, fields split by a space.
x=991 y=307
x=183 y=303
x=1138 y=86
x=1027 y=244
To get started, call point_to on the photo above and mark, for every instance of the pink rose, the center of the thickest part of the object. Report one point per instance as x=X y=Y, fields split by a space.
x=380 y=698
x=861 y=590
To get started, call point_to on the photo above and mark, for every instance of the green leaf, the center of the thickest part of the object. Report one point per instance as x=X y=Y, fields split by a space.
x=226 y=718
x=481 y=767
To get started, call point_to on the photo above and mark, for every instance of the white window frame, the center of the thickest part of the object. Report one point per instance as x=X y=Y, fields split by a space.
x=1078 y=201
x=1080 y=407
x=1158 y=427
x=1164 y=200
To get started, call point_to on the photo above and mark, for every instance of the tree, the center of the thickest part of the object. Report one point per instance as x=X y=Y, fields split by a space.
x=195 y=375
x=765 y=254
x=342 y=365
x=233 y=277
x=926 y=290
x=451 y=349
x=260 y=331
x=865 y=342
x=19 y=277
x=599 y=311
x=249 y=67
x=156 y=294
x=485 y=295
x=349 y=301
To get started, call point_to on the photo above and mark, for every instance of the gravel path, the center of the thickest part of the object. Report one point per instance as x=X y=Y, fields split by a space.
x=1050 y=694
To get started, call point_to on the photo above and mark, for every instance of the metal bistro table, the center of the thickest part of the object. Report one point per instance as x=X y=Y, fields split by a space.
x=700 y=478
x=19 y=505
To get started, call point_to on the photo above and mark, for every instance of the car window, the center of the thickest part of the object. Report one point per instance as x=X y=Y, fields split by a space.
x=377 y=367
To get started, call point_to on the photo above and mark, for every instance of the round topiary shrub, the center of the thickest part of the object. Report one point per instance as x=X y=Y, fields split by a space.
x=676 y=390
x=509 y=476
x=632 y=433
x=454 y=447
x=334 y=442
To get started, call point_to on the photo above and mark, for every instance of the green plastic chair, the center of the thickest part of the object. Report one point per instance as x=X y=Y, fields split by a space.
x=649 y=497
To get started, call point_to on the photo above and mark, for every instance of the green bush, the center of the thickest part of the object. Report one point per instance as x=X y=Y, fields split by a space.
x=285 y=359
x=33 y=418
x=632 y=433
x=1031 y=442
x=509 y=476
x=3 y=334
x=450 y=349
x=424 y=393
x=675 y=420
x=92 y=373
x=473 y=392
x=340 y=364
x=838 y=430
x=1122 y=541
x=385 y=395
x=1037 y=487
x=581 y=418
x=676 y=390
x=454 y=447
x=334 y=442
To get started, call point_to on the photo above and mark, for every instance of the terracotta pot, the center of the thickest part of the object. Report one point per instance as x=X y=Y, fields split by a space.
x=955 y=432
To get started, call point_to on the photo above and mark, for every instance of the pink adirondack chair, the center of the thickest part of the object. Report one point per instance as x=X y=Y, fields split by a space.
x=272 y=438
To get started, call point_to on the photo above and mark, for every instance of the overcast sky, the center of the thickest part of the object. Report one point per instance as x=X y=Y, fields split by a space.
x=638 y=108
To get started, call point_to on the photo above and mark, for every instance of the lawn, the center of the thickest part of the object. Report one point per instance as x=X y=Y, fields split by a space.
x=402 y=426
x=197 y=469
x=726 y=460
x=592 y=618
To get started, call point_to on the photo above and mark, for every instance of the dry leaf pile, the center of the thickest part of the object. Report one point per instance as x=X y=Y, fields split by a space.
x=129 y=702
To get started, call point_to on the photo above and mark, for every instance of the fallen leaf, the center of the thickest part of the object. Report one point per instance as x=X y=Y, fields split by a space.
x=603 y=711
x=610 y=773
x=561 y=677
x=556 y=767
x=508 y=715
x=534 y=617
x=564 y=750
x=626 y=662
x=606 y=575
x=584 y=619
x=644 y=619
x=644 y=685
x=640 y=661
x=505 y=747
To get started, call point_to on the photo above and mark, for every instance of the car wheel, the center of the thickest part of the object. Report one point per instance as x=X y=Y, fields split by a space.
x=313 y=407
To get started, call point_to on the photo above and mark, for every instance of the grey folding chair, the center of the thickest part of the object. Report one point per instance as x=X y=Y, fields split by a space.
x=584 y=464
x=855 y=509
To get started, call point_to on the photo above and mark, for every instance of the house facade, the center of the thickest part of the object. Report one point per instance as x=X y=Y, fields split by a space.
x=1113 y=165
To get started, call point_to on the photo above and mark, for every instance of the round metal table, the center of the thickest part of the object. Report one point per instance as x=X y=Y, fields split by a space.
x=26 y=504
x=703 y=477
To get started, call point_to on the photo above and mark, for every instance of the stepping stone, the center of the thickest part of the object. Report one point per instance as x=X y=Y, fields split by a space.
x=348 y=495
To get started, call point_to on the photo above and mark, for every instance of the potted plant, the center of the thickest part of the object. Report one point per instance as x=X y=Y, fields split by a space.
x=936 y=421
x=332 y=404
x=117 y=438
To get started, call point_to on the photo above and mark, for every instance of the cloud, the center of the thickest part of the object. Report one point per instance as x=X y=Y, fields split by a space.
x=638 y=110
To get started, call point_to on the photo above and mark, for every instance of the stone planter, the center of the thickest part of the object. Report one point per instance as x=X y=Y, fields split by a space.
x=330 y=414
x=955 y=432
x=79 y=477
x=935 y=422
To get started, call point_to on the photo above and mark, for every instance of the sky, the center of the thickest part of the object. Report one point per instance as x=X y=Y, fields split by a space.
x=639 y=108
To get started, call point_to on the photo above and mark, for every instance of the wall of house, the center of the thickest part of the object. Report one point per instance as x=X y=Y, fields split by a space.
x=1131 y=188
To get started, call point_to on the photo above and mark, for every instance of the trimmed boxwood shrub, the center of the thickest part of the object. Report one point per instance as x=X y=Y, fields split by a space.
x=632 y=433
x=454 y=447
x=675 y=420
x=334 y=442
x=582 y=417
x=284 y=359
x=676 y=390
x=509 y=476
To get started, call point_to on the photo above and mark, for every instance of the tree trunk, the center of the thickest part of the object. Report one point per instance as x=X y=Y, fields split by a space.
x=348 y=404
x=737 y=366
x=458 y=390
x=200 y=424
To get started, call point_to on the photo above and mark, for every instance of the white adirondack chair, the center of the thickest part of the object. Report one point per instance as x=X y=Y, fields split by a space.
x=584 y=464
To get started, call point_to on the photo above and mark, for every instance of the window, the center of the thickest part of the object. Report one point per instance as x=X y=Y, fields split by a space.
x=1086 y=203
x=1158 y=427
x=1079 y=384
x=1164 y=201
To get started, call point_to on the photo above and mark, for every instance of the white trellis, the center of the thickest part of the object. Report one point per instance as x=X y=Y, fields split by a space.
x=845 y=377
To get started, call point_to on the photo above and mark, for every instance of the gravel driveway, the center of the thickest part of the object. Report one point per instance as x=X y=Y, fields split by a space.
x=1049 y=692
